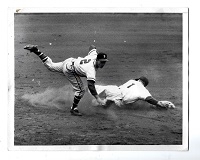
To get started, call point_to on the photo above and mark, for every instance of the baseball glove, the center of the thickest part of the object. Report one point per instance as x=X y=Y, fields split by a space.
x=167 y=104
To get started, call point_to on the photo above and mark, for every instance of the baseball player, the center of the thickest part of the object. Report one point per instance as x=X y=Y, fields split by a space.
x=73 y=69
x=130 y=92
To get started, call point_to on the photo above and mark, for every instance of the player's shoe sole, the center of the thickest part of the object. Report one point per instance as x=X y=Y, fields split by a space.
x=31 y=48
x=75 y=112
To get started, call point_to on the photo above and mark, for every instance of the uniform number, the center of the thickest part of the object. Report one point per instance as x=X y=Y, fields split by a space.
x=130 y=85
x=85 y=61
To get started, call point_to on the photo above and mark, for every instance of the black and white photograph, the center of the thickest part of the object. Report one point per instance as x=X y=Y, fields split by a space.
x=99 y=80
x=109 y=80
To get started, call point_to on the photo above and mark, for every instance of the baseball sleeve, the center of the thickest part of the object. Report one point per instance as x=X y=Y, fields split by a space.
x=91 y=75
x=91 y=87
x=151 y=100
x=144 y=93
x=92 y=54
x=91 y=72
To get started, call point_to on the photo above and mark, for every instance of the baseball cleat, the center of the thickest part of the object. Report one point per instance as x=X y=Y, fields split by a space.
x=75 y=112
x=31 y=48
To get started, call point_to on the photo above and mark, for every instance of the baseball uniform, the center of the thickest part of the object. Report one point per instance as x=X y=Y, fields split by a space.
x=74 y=68
x=129 y=92
x=133 y=90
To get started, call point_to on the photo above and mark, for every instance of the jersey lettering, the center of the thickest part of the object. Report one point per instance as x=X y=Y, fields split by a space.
x=130 y=85
x=85 y=61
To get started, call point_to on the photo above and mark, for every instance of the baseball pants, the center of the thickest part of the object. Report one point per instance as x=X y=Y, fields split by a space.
x=111 y=92
x=66 y=67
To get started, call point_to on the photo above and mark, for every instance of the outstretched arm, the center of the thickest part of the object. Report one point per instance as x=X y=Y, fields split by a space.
x=93 y=91
x=153 y=101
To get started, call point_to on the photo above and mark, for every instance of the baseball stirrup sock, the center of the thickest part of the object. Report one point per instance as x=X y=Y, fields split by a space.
x=42 y=56
x=76 y=101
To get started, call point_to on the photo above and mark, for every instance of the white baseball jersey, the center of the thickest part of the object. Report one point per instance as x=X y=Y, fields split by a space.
x=85 y=67
x=133 y=90
x=129 y=92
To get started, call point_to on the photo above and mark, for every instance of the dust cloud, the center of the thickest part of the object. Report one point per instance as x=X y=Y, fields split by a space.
x=51 y=97
x=62 y=98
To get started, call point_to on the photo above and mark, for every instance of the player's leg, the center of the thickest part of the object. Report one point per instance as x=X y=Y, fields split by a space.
x=52 y=66
x=34 y=49
x=112 y=92
x=79 y=91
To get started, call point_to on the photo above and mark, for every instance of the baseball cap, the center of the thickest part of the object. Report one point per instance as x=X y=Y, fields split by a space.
x=102 y=57
x=143 y=79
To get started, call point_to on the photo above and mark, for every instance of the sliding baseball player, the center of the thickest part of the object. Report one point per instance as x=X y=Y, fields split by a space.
x=130 y=92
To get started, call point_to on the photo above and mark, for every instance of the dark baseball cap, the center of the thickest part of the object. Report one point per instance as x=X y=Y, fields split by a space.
x=102 y=57
x=144 y=80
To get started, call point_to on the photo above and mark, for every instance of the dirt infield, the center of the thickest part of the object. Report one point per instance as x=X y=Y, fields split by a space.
x=136 y=44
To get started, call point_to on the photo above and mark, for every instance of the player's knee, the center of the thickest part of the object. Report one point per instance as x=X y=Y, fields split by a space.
x=82 y=93
x=50 y=68
x=48 y=64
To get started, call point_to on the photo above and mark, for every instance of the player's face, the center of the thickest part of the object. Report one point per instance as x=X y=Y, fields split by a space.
x=100 y=64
